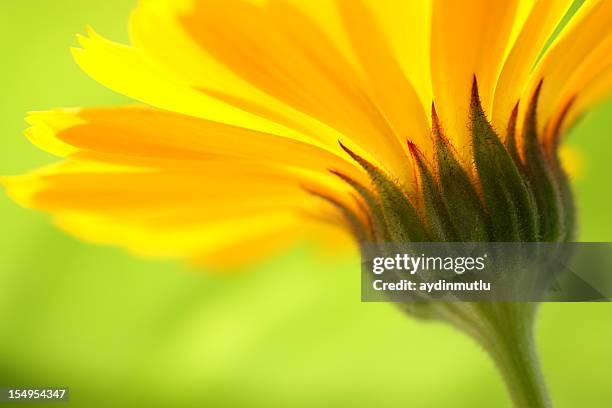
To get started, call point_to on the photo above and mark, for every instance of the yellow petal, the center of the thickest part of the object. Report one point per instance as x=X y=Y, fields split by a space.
x=156 y=31
x=128 y=70
x=394 y=94
x=182 y=241
x=253 y=249
x=250 y=41
x=468 y=38
x=573 y=161
x=600 y=88
x=140 y=192
x=46 y=125
x=167 y=213
x=542 y=19
x=144 y=132
x=406 y=26
x=598 y=61
x=571 y=54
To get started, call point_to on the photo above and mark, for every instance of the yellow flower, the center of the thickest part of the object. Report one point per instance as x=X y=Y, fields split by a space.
x=246 y=102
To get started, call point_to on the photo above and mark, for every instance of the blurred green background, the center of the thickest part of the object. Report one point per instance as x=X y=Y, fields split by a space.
x=121 y=331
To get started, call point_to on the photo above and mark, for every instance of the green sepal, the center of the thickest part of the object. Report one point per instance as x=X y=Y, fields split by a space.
x=438 y=220
x=401 y=217
x=463 y=204
x=513 y=215
x=567 y=200
x=565 y=188
x=372 y=203
x=359 y=229
x=541 y=179
x=513 y=149
x=511 y=142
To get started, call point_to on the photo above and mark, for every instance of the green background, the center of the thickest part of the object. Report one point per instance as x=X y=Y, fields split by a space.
x=121 y=331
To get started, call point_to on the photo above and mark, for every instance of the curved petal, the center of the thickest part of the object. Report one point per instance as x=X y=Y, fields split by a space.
x=468 y=38
x=252 y=43
x=167 y=184
x=170 y=213
x=127 y=70
x=394 y=94
x=138 y=132
x=156 y=31
x=542 y=19
x=406 y=26
x=253 y=249
x=598 y=61
x=275 y=85
x=596 y=91
x=184 y=241
x=572 y=53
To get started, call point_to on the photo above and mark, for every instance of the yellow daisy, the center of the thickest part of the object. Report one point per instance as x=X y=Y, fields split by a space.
x=270 y=121
x=246 y=102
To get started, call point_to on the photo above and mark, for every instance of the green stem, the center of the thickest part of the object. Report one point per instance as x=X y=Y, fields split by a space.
x=511 y=345
x=505 y=330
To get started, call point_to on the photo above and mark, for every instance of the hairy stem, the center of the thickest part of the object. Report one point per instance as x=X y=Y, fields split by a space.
x=510 y=343
x=505 y=330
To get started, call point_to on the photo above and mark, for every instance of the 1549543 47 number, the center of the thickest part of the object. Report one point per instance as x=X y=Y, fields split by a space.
x=35 y=394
